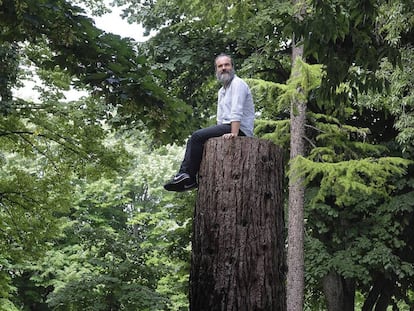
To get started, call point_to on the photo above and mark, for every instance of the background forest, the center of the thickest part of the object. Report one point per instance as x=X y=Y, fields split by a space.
x=84 y=221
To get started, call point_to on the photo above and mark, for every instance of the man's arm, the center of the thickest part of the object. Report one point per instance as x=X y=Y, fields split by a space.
x=235 y=127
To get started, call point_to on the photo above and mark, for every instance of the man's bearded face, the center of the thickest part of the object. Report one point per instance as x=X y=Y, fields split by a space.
x=225 y=75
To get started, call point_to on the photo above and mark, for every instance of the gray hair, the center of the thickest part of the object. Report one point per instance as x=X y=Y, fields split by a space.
x=223 y=55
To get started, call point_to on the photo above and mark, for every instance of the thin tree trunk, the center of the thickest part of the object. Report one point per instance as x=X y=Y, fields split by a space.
x=295 y=258
x=238 y=261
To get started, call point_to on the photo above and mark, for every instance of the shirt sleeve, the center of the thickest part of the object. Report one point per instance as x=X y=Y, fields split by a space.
x=238 y=99
x=219 y=107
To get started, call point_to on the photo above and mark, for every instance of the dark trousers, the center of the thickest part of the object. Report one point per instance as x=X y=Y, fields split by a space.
x=195 y=145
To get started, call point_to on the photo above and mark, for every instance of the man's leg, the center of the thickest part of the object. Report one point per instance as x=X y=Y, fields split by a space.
x=186 y=178
x=195 y=146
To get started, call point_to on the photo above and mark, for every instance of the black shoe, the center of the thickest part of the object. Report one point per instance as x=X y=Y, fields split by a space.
x=181 y=182
x=190 y=184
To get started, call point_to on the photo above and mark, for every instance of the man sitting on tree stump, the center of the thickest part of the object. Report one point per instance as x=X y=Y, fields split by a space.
x=235 y=117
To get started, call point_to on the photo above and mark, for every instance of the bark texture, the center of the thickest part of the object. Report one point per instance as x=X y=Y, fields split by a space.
x=238 y=259
x=296 y=225
x=339 y=292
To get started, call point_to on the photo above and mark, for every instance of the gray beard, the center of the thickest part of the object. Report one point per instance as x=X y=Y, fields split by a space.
x=225 y=77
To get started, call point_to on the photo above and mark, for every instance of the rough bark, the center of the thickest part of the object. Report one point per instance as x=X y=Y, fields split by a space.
x=238 y=232
x=295 y=255
x=339 y=292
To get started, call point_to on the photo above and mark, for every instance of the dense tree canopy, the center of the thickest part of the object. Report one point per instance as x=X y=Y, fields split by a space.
x=84 y=223
x=105 y=63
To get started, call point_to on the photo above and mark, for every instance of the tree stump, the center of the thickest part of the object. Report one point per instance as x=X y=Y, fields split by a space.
x=238 y=257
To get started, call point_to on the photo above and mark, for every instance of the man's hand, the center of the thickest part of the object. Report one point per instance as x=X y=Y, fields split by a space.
x=235 y=127
x=229 y=135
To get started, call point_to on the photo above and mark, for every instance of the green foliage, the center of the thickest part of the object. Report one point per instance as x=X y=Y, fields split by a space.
x=43 y=152
x=351 y=216
x=400 y=100
x=339 y=34
x=305 y=78
x=194 y=32
x=364 y=177
x=273 y=101
x=97 y=7
x=110 y=274
x=65 y=209
x=123 y=244
x=71 y=46
x=276 y=131
x=266 y=96
x=6 y=305
x=85 y=221
x=364 y=240
x=6 y=289
x=163 y=221
x=334 y=141
x=395 y=22
x=9 y=61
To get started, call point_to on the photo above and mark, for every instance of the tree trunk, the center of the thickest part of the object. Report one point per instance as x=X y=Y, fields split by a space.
x=238 y=240
x=339 y=292
x=380 y=294
x=295 y=292
x=295 y=257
